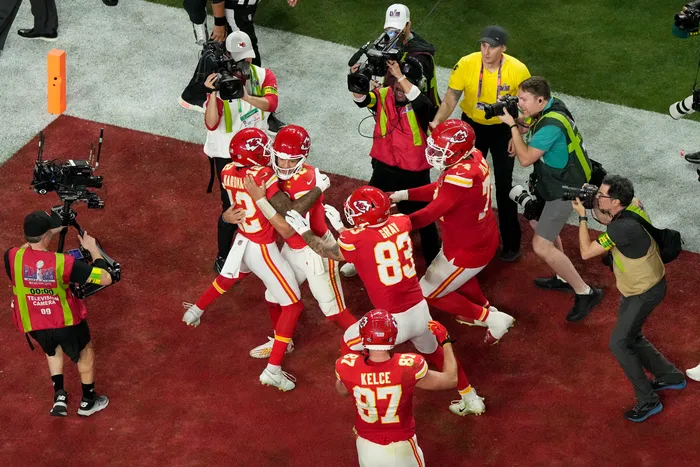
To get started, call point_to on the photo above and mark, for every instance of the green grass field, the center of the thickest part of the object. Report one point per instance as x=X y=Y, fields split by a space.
x=617 y=51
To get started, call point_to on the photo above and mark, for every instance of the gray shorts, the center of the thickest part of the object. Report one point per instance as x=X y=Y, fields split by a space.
x=553 y=217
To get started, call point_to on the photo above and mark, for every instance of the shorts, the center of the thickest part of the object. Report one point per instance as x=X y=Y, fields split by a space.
x=553 y=217
x=72 y=340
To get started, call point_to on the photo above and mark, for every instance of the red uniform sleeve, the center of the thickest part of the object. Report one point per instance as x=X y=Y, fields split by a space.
x=269 y=89
x=447 y=198
x=220 y=105
x=347 y=242
x=424 y=193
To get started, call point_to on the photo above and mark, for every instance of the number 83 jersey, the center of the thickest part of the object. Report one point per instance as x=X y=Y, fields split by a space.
x=383 y=257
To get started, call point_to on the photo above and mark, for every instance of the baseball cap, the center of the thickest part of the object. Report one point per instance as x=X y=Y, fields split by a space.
x=239 y=45
x=397 y=16
x=38 y=223
x=494 y=36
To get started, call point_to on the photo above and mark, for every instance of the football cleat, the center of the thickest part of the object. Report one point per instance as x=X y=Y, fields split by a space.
x=498 y=325
x=281 y=380
x=693 y=373
x=469 y=404
x=348 y=270
x=470 y=322
x=264 y=350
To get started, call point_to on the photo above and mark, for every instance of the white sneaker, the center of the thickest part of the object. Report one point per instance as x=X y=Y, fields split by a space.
x=264 y=350
x=186 y=105
x=88 y=408
x=498 y=323
x=693 y=373
x=470 y=403
x=281 y=380
x=348 y=270
x=200 y=33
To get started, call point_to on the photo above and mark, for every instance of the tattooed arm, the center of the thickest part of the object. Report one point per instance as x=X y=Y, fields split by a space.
x=323 y=248
x=282 y=203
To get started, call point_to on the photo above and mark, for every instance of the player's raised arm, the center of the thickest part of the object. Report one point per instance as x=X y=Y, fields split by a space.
x=447 y=378
x=257 y=192
x=283 y=204
x=327 y=249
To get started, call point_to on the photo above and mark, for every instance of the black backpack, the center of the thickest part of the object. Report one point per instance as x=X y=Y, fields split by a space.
x=669 y=240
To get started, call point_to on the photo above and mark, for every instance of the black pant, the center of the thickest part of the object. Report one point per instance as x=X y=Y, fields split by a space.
x=388 y=178
x=495 y=138
x=196 y=9
x=45 y=16
x=8 y=12
x=224 y=231
x=633 y=351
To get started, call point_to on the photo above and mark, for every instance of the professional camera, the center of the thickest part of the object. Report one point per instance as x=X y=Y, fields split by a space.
x=229 y=82
x=388 y=46
x=532 y=207
x=586 y=194
x=687 y=106
x=688 y=21
x=507 y=103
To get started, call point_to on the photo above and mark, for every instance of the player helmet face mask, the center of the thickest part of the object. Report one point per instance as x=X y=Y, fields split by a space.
x=378 y=330
x=450 y=142
x=367 y=205
x=292 y=143
x=249 y=148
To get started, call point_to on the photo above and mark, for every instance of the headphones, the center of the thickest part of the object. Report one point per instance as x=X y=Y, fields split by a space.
x=414 y=63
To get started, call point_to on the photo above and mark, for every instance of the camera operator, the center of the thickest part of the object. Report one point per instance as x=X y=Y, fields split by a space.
x=224 y=118
x=559 y=157
x=45 y=308
x=402 y=113
x=640 y=276
x=483 y=77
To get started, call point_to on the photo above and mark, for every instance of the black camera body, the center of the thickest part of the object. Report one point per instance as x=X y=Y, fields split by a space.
x=113 y=268
x=386 y=47
x=506 y=104
x=586 y=194
x=229 y=84
x=689 y=20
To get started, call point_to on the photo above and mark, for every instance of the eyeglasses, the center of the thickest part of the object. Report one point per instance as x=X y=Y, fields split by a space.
x=598 y=195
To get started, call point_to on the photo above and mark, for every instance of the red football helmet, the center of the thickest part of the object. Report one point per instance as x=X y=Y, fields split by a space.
x=249 y=147
x=450 y=142
x=292 y=143
x=378 y=330
x=367 y=205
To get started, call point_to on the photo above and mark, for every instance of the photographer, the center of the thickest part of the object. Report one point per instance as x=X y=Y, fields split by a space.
x=224 y=118
x=559 y=157
x=640 y=276
x=402 y=113
x=45 y=308
x=484 y=77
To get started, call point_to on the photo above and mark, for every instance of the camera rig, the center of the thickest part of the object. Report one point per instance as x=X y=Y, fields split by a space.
x=71 y=181
x=388 y=46
x=229 y=82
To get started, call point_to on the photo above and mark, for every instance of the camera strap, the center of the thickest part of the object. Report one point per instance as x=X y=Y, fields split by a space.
x=31 y=346
x=212 y=174
x=481 y=79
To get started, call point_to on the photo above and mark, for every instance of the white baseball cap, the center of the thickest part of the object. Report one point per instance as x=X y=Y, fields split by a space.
x=239 y=45
x=397 y=16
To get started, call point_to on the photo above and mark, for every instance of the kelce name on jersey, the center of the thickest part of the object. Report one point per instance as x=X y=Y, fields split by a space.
x=389 y=230
x=375 y=378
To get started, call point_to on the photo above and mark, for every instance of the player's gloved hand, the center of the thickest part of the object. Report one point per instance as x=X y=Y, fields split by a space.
x=192 y=315
x=300 y=224
x=333 y=217
x=322 y=180
x=401 y=195
x=440 y=332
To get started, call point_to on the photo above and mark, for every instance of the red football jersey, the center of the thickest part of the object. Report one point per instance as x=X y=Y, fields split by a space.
x=383 y=257
x=256 y=227
x=296 y=187
x=469 y=231
x=383 y=394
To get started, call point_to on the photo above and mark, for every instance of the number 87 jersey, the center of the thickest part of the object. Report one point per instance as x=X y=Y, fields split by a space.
x=383 y=257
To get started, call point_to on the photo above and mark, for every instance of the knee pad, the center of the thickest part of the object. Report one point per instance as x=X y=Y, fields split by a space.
x=329 y=308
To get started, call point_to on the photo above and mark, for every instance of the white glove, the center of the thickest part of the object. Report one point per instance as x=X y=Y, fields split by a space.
x=333 y=217
x=192 y=315
x=322 y=180
x=401 y=195
x=298 y=223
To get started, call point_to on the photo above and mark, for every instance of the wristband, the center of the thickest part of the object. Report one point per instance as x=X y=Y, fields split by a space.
x=400 y=79
x=447 y=341
x=266 y=208
x=220 y=21
x=514 y=125
x=582 y=218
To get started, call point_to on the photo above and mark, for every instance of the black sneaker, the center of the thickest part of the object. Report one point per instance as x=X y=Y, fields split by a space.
x=553 y=283
x=657 y=385
x=583 y=304
x=509 y=256
x=219 y=264
x=60 y=404
x=110 y=2
x=194 y=97
x=89 y=407
x=274 y=124
x=44 y=36
x=693 y=157
x=641 y=412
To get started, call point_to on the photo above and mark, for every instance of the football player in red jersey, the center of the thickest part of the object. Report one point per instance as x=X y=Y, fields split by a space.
x=461 y=201
x=254 y=249
x=382 y=386
x=288 y=153
x=381 y=249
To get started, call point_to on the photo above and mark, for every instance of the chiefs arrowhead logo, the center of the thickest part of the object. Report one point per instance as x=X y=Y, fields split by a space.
x=362 y=205
x=306 y=144
x=241 y=45
x=459 y=137
x=253 y=143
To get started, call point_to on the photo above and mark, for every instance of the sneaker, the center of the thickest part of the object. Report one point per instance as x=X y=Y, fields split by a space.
x=498 y=325
x=46 y=36
x=60 y=404
x=657 y=385
x=188 y=106
x=641 y=412
x=509 y=255
x=110 y=2
x=264 y=350
x=88 y=407
x=219 y=264
x=470 y=403
x=470 y=322
x=348 y=270
x=553 y=283
x=274 y=124
x=693 y=157
x=583 y=304
x=281 y=380
x=693 y=373
x=200 y=33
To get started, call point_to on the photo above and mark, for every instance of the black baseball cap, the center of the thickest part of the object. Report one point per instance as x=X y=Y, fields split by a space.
x=38 y=223
x=494 y=36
